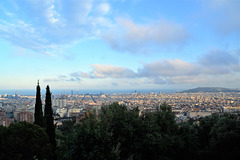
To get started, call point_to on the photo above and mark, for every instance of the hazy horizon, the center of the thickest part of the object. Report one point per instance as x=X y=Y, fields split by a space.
x=84 y=91
x=92 y=91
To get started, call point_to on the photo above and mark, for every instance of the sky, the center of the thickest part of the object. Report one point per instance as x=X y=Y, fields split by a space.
x=119 y=44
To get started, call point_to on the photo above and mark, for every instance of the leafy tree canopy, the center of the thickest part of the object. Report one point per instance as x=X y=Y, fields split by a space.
x=23 y=140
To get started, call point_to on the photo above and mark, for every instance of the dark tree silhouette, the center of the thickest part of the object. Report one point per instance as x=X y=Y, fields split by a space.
x=23 y=141
x=120 y=133
x=38 y=114
x=48 y=115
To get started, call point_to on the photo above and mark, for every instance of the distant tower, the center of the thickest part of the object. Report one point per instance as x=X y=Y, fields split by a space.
x=16 y=94
x=77 y=91
x=72 y=92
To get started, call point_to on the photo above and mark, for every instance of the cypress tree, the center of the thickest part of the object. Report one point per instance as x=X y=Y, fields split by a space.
x=48 y=115
x=38 y=114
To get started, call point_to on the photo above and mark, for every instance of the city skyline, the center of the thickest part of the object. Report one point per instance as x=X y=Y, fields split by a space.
x=119 y=44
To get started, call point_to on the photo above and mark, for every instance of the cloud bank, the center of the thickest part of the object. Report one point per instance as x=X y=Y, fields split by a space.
x=50 y=25
x=46 y=26
x=127 y=35
x=215 y=67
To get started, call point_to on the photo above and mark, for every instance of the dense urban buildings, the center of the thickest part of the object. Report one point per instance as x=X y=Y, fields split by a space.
x=15 y=108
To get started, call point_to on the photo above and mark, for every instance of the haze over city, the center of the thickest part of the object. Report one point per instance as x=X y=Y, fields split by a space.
x=119 y=44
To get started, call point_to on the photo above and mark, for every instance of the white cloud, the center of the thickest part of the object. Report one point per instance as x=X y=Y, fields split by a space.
x=52 y=15
x=73 y=77
x=127 y=35
x=168 y=68
x=216 y=68
x=103 y=8
x=47 y=26
x=23 y=34
x=216 y=64
x=105 y=71
x=219 y=62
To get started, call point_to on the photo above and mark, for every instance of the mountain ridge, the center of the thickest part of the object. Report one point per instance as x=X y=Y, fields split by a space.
x=209 y=89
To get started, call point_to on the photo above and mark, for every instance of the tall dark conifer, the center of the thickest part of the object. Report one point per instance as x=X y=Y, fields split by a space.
x=38 y=114
x=48 y=115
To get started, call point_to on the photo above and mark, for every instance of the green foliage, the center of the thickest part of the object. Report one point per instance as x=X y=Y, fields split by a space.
x=62 y=134
x=205 y=127
x=22 y=141
x=38 y=114
x=225 y=137
x=161 y=139
x=48 y=116
x=190 y=140
x=3 y=134
x=121 y=127
x=86 y=142
x=120 y=133
x=216 y=137
x=67 y=127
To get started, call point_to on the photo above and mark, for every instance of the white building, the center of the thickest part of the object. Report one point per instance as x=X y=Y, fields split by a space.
x=62 y=112
x=198 y=114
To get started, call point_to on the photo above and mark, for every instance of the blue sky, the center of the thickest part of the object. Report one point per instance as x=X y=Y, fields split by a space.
x=119 y=44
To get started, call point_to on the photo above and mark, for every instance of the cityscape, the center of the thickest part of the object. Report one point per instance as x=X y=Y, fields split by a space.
x=119 y=79
x=15 y=108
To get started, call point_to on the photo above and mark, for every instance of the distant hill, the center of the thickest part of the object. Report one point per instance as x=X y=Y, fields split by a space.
x=209 y=89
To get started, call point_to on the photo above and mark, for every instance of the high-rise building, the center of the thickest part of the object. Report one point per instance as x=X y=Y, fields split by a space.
x=59 y=102
x=25 y=116
x=16 y=94
x=4 y=119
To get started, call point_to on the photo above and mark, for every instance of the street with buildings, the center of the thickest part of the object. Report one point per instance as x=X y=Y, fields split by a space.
x=15 y=108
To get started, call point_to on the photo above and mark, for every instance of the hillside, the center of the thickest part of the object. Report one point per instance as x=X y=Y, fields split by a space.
x=209 y=89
